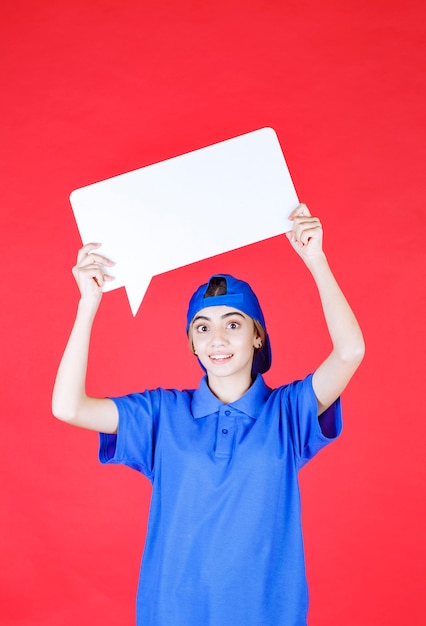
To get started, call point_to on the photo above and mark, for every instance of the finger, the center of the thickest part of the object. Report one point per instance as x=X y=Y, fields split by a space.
x=308 y=234
x=304 y=229
x=100 y=278
x=301 y=209
x=87 y=271
x=84 y=251
x=302 y=223
x=92 y=258
x=92 y=271
x=99 y=258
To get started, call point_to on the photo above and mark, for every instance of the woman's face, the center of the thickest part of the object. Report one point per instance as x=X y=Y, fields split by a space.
x=224 y=339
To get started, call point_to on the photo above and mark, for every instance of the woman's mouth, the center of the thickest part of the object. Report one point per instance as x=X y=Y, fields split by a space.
x=220 y=358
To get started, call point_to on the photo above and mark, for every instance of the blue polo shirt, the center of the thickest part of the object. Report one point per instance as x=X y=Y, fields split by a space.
x=224 y=542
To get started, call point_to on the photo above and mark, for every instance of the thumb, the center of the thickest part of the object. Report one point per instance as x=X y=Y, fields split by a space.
x=301 y=209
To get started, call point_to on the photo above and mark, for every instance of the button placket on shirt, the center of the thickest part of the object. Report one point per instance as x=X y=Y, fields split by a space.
x=225 y=433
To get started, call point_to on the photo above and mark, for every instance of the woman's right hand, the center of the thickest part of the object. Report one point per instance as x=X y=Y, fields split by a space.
x=89 y=272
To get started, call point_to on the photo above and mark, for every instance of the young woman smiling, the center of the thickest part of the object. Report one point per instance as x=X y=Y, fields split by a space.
x=224 y=545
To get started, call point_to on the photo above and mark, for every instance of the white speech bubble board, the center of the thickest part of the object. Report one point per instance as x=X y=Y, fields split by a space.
x=187 y=208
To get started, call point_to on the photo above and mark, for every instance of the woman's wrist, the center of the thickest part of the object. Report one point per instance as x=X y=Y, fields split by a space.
x=87 y=308
x=316 y=263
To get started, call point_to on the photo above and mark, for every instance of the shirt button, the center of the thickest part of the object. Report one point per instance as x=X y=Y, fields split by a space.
x=227 y=412
x=225 y=431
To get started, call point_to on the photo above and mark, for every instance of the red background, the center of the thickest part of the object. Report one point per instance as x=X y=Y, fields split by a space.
x=91 y=89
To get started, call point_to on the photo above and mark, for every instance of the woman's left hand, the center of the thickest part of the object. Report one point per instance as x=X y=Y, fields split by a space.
x=306 y=234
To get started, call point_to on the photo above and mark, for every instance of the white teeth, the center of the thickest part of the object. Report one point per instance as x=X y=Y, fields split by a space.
x=220 y=357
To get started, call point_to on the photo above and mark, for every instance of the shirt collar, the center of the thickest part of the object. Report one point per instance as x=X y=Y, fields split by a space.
x=204 y=402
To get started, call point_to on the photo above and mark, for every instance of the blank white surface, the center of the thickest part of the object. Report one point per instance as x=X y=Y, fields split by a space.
x=187 y=208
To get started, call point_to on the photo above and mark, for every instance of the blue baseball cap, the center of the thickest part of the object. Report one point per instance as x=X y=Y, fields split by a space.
x=239 y=295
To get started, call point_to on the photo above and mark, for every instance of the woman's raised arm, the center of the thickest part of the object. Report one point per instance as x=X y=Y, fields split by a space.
x=70 y=401
x=335 y=372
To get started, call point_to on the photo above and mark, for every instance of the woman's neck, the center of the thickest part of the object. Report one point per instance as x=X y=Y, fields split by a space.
x=229 y=388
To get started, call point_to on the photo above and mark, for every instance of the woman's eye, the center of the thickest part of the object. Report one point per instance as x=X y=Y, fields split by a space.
x=233 y=325
x=202 y=328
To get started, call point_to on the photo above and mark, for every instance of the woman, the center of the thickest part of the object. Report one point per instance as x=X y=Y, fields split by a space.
x=224 y=543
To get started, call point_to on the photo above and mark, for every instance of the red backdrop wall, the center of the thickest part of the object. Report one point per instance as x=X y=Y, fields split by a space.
x=97 y=88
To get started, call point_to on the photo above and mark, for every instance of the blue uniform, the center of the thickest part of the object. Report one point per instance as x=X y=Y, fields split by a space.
x=224 y=543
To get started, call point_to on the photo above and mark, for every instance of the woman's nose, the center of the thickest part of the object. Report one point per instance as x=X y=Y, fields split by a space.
x=218 y=338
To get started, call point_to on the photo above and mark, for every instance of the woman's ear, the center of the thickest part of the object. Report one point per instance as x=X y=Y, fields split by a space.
x=259 y=335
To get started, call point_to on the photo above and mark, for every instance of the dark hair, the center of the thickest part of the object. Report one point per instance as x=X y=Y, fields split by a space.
x=216 y=287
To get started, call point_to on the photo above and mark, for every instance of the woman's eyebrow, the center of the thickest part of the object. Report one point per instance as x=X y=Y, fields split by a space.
x=201 y=317
x=232 y=313
x=224 y=316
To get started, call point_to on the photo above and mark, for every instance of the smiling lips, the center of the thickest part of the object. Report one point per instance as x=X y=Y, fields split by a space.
x=220 y=357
